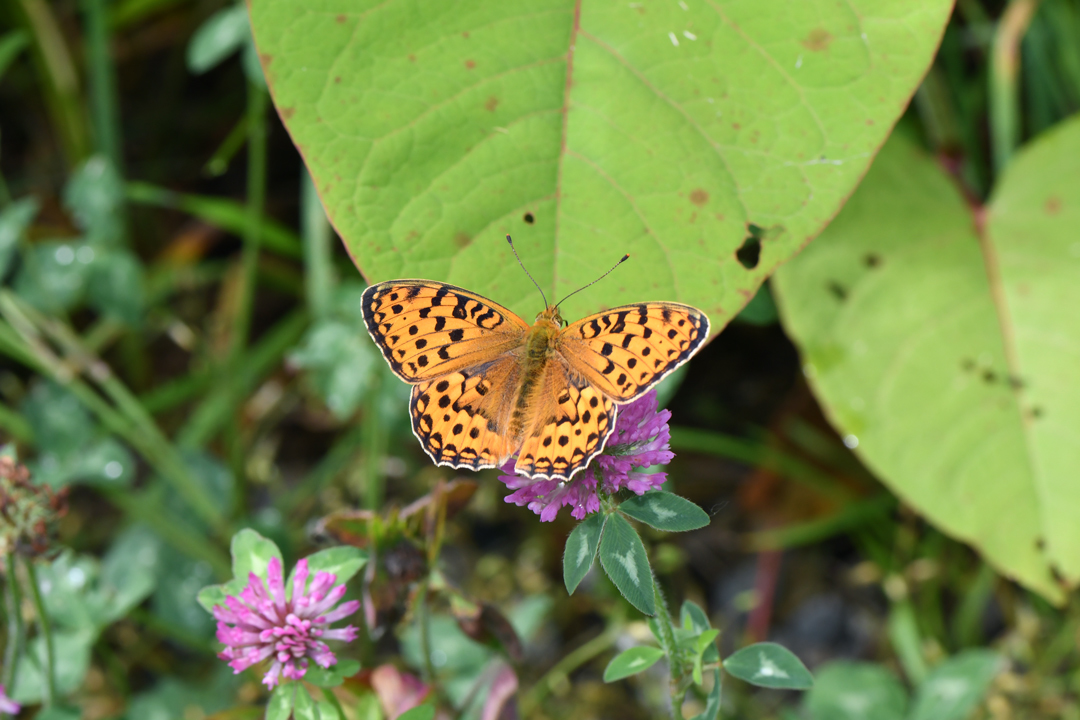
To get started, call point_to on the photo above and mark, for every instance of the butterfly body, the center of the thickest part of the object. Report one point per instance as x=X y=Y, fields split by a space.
x=487 y=385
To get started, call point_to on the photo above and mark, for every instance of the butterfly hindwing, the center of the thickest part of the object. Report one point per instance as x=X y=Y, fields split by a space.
x=627 y=350
x=428 y=329
x=461 y=418
x=566 y=429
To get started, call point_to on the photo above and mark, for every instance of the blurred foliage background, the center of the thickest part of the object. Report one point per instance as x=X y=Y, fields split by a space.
x=181 y=344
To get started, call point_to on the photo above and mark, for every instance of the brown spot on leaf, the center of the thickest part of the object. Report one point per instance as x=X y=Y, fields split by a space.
x=337 y=79
x=287 y=113
x=869 y=122
x=699 y=197
x=470 y=64
x=462 y=240
x=340 y=18
x=465 y=34
x=1053 y=205
x=412 y=58
x=735 y=126
x=491 y=104
x=266 y=58
x=818 y=40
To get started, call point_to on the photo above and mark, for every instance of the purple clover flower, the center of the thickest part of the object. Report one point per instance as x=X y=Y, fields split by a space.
x=262 y=625
x=7 y=705
x=641 y=439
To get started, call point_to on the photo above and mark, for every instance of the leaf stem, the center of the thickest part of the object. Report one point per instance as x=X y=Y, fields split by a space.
x=16 y=633
x=49 y=696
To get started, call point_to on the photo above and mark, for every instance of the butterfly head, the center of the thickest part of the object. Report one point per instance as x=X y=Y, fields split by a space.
x=550 y=316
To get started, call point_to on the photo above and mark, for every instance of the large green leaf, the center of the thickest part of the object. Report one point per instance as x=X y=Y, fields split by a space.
x=948 y=357
x=590 y=129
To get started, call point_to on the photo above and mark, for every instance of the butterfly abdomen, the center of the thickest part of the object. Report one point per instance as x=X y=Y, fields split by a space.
x=539 y=347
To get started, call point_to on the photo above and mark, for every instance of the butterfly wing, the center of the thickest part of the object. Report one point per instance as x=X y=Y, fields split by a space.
x=428 y=329
x=567 y=426
x=625 y=351
x=461 y=419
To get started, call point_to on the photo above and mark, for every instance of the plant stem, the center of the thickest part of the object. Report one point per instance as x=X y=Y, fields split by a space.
x=102 y=80
x=318 y=265
x=49 y=697
x=667 y=639
x=1004 y=74
x=256 y=201
x=59 y=78
x=16 y=636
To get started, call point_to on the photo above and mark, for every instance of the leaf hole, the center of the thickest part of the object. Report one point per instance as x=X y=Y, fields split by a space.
x=749 y=253
x=529 y=218
x=872 y=260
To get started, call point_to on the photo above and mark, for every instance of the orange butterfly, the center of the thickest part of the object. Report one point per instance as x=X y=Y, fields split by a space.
x=487 y=385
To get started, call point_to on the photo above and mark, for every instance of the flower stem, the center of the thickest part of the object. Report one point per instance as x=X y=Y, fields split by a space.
x=667 y=639
x=15 y=631
x=49 y=697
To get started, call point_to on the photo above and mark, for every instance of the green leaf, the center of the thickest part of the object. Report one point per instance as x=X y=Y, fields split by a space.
x=129 y=570
x=176 y=601
x=665 y=511
x=769 y=665
x=625 y=561
x=702 y=644
x=303 y=706
x=280 y=705
x=712 y=701
x=631 y=662
x=953 y=387
x=588 y=130
x=580 y=550
x=343 y=561
x=956 y=686
x=95 y=197
x=116 y=286
x=251 y=553
x=340 y=364
x=420 y=712
x=71 y=655
x=14 y=220
x=221 y=35
x=53 y=275
x=327 y=711
x=855 y=691
x=692 y=617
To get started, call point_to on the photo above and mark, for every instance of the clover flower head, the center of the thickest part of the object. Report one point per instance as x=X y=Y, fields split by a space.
x=7 y=705
x=641 y=439
x=265 y=624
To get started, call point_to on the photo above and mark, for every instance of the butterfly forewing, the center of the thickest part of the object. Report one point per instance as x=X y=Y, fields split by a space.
x=627 y=350
x=428 y=329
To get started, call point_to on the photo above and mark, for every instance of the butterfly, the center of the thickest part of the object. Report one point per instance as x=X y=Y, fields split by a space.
x=487 y=384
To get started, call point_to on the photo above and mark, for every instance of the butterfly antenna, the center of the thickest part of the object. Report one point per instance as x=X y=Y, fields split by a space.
x=624 y=259
x=526 y=271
